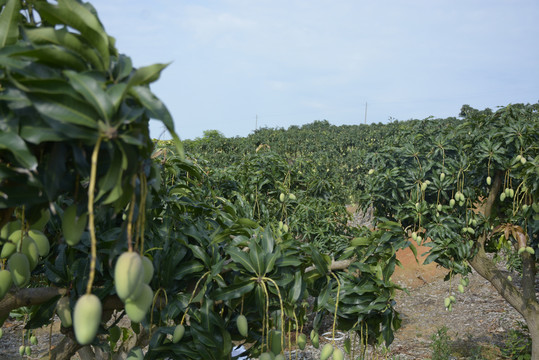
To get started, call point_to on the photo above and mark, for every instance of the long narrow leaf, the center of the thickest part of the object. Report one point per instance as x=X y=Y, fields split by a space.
x=65 y=109
x=9 y=31
x=92 y=91
x=146 y=75
x=157 y=110
x=242 y=258
x=76 y=15
x=234 y=291
x=16 y=145
x=62 y=37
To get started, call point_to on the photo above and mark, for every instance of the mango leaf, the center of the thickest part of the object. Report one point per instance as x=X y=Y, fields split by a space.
x=270 y=260
x=200 y=253
x=62 y=37
x=113 y=177
x=16 y=145
x=65 y=109
x=234 y=291
x=116 y=94
x=9 y=29
x=123 y=67
x=319 y=262
x=297 y=289
x=146 y=75
x=267 y=240
x=257 y=258
x=324 y=295
x=92 y=90
x=188 y=268
x=242 y=258
x=47 y=86
x=157 y=110
x=79 y=17
x=55 y=56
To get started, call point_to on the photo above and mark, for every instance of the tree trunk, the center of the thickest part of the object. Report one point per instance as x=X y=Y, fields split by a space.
x=523 y=300
x=532 y=320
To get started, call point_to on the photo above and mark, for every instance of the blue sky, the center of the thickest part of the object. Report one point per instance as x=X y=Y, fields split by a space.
x=291 y=62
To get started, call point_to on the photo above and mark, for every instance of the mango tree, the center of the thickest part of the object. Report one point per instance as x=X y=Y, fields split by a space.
x=96 y=223
x=471 y=194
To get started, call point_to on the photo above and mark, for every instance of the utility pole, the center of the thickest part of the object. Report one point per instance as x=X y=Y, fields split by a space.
x=365 y=113
x=256 y=122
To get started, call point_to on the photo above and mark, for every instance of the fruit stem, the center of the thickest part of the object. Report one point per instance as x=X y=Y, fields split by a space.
x=155 y=298
x=91 y=220
x=265 y=319
x=282 y=308
x=142 y=210
x=130 y=218
x=193 y=295
x=297 y=328
x=23 y=229
x=336 y=307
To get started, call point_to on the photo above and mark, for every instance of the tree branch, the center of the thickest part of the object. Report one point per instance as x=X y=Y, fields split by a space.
x=489 y=203
x=486 y=268
x=335 y=265
x=27 y=297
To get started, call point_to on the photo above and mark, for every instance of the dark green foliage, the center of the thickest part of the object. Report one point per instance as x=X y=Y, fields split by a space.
x=517 y=345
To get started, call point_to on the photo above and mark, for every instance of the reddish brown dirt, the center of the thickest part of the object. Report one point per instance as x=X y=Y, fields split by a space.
x=412 y=273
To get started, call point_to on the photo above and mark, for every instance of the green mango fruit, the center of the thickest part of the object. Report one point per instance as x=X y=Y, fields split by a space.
x=128 y=274
x=242 y=325
x=9 y=228
x=326 y=352
x=302 y=341
x=29 y=248
x=315 y=339
x=447 y=302
x=27 y=350
x=33 y=340
x=148 y=270
x=43 y=245
x=5 y=282
x=265 y=356
x=21 y=350
x=72 y=225
x=137 y=308
x=179 y=330
x=276 y=347
x=63 y=310
x=338 y=354
x=86 y=318
x=10 y=247
x=19 y=267
x=347 y=345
